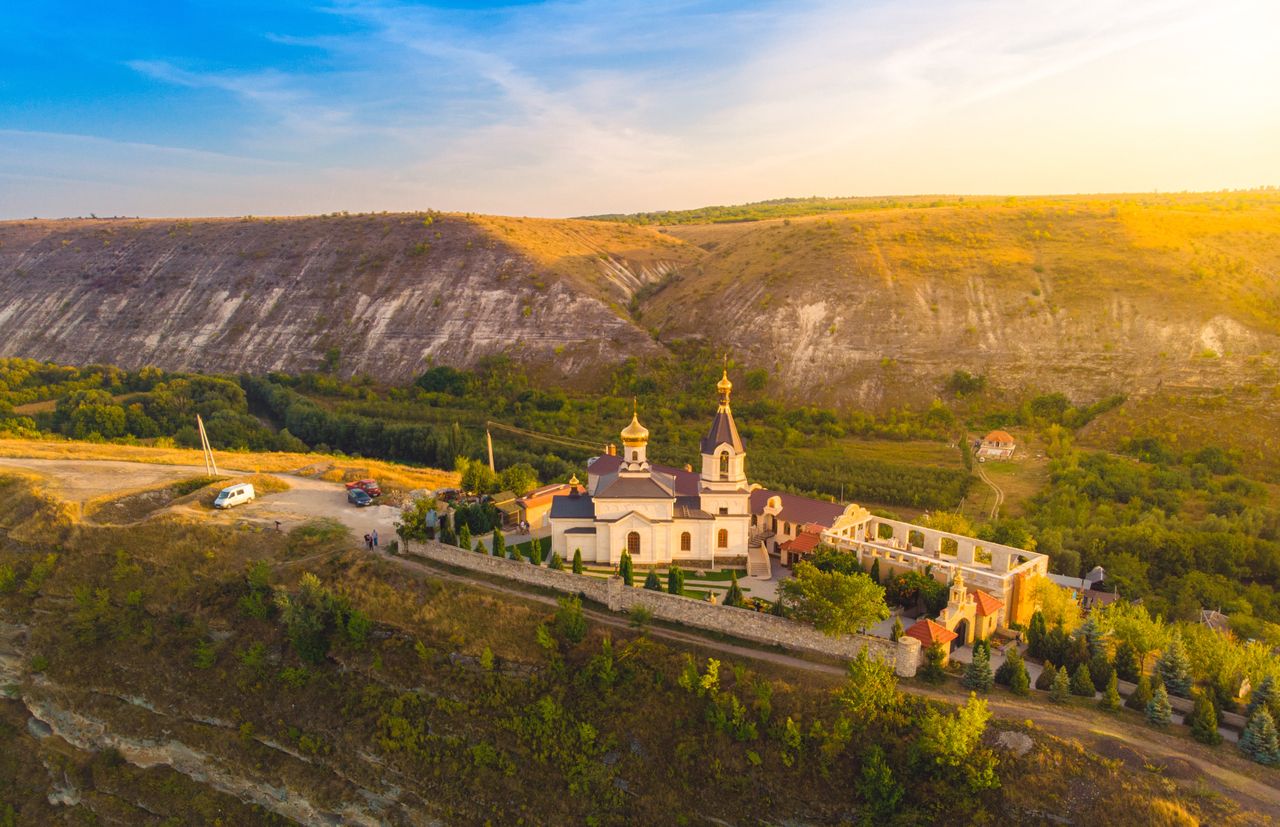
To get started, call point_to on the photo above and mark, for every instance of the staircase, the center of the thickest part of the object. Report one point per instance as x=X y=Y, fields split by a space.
x=758 y=561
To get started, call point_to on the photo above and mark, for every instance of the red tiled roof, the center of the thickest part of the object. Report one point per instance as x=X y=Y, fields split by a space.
x=929 y=633
x=987 y=605
x=803 y=543
x=798 y=509
x=1000 y=437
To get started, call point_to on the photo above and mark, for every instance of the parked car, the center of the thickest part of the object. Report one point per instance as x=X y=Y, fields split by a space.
x=234 y=495
x=358 y=497
x=369 y=487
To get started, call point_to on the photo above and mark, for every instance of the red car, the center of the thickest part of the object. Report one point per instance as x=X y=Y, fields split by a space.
x=369 y=487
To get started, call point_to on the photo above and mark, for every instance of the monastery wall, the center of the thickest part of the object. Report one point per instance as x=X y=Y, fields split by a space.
x=903 y=655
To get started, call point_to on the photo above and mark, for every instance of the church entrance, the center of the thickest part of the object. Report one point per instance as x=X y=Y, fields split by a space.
x=962 y=632
x=633 y=544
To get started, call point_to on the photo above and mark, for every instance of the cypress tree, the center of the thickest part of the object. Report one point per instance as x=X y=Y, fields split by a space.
x=535 y=552
x=896 y=633
x=1013 y=663
x=577 y=561
x=1045 y=679
x=652 y=583
x=447 y=534
x=1110 y=699
x=734 y=597
x=479 y=549
x=1204 y=720
x=1263 y=696
x=1175 y=668
x=1159 y=710
x=875 y=570
x=675 y=580
x=1057 y=645
x=1036 y=632
x=1082 y=682
x=1259 y=740
x=1141 y=695
x=555 y=563
x=499 y=543
x=933 y=671
x=1126 y=662
x=977 y=674
x=464 y=537
x=1060 y=690
x=624 y=568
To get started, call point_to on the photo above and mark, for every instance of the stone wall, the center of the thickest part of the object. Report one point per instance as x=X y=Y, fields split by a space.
x=903 y=655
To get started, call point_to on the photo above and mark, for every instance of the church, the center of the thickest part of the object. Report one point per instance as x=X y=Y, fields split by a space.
x=661 y=515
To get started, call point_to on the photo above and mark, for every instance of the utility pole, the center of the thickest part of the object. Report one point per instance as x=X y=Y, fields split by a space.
x=488 y=438
x=210 y=464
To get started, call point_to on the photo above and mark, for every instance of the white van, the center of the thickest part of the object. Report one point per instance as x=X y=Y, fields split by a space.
x=234 y=495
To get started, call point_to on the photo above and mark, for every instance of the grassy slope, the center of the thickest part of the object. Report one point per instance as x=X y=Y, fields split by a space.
x=353 y=720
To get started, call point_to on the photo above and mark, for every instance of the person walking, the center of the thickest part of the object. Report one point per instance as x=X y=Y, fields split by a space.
x=368 y=542
x=375 y=538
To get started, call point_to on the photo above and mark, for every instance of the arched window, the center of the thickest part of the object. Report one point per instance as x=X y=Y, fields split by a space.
x=724 y=465
x=633 y=544
x=686 y=542
x=722 y=539
x=635 y=456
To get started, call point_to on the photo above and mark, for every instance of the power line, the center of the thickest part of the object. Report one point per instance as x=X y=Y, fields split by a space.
x=557 y=439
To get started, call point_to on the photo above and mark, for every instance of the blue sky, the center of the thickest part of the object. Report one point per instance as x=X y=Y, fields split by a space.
x=564 y=108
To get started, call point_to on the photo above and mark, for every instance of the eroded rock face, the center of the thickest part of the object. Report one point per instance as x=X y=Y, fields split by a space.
x=389 y=293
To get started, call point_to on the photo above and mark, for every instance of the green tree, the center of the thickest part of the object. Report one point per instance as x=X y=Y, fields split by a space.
x=464 y=537
x=1263 y=696
x=1082 y=682
x=624 y=569
x=871 y=689
x=1204 y=720
x=1044 y=681
x=977 y=674
x=875 y=571
x=733 y=596
x=1036 y=631
x=1259 y=740
x=1141 y=695
x=951 y=739
x=1110 y=699
x=1060 y=690
x=1019 y=680
x=1009 y=671
x=1175 y=668
x=577 y=561
x=519 y=479
x=834 y=603
x=896 y=633
x=555 y=563
x=480 y=549
x=499 y=547
x=1159 y=710
x=1099 y=669
x=535 y=552
x=1126 y=662
x=675 y=580
x=933 y=671
x=652 y=582
x=310 y=615
x=570 y=624
x=877 y=786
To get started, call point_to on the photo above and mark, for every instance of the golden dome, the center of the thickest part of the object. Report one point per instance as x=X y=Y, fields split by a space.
x=724 y=385
x=574 y=480
x=635 y=433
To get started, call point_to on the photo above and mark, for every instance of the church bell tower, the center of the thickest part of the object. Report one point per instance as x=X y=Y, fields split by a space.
x=724 y=461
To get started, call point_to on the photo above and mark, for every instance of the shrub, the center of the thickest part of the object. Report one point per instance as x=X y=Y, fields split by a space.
x=675 y=580
x=734 y=596
x=933 y=671
x=652 y=582
x=1141 y=695
x=625 y=570
x=1204 y=720
x=1126 y=662
x=896 y=633
x=1259 y=740
x=577 y=561
x=555 y=563
x=205 y=654
x=1044 y=680
x=1175 y=668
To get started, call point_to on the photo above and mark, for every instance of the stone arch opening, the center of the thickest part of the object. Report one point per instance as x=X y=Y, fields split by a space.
x=724 y=465
x=949 y=547
x=915 y=538
x=686 y=541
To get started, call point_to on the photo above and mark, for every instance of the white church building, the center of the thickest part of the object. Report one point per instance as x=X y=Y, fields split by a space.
x=661 y=515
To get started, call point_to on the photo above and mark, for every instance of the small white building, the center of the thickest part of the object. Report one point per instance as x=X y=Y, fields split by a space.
x=996 y=445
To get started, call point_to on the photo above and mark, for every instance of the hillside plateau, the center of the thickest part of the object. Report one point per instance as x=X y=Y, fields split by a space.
x=856 y=301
